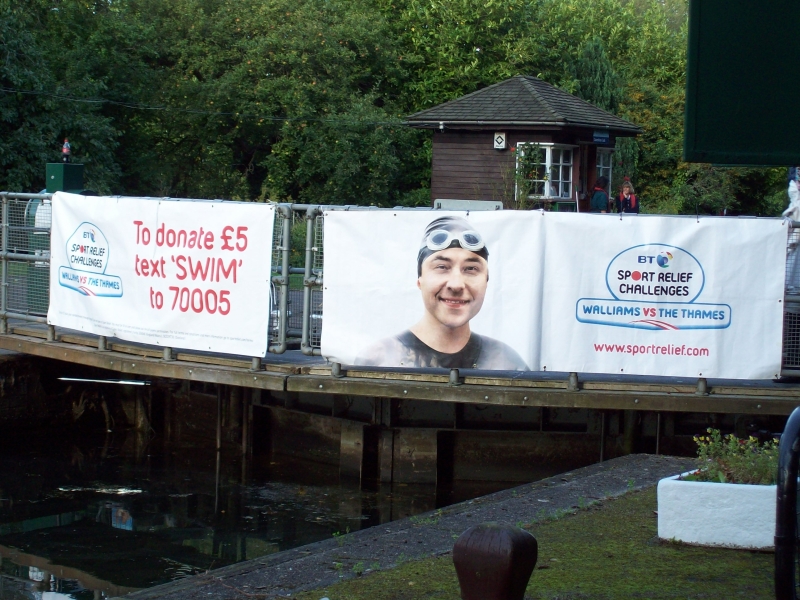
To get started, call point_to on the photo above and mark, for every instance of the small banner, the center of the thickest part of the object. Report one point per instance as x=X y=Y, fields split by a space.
x=546 y=291
x=189 y=274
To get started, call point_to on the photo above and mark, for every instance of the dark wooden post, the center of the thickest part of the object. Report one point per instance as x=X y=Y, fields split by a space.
x=494 y=561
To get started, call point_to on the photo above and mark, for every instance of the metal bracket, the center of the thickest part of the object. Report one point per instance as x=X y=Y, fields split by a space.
x=337 y=371
x=572 y=384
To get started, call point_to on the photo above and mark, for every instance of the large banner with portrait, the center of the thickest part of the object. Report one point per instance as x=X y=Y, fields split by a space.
x=186 y=274
x=519 y=291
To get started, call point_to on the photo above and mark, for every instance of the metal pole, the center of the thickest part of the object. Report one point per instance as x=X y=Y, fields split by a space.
x=23 y=196
x=216 y=485
x=308 y=281
x=245 y=419
x=283 y=280
x=219 y=417
x=786 y=515
x=219 y=446
x=4 y=288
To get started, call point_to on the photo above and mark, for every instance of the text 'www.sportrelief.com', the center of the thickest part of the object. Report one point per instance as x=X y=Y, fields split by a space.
x=663 y=350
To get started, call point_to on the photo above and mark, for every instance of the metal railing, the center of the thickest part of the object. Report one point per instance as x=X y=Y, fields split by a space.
x=24 y=257
x=791 y=309
x=296 y=298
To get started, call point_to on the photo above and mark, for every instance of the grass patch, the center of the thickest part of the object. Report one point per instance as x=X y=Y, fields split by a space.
x=607 y=551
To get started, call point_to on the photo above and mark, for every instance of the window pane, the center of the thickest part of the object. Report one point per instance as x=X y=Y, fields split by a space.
x=556 y=155
x=567 y=157
x=554 y=173
x=532 y=165
x=565 y=190
x=566 y=173
x=603 y=158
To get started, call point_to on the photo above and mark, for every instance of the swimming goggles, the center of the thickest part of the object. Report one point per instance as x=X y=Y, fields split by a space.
x=439 y=239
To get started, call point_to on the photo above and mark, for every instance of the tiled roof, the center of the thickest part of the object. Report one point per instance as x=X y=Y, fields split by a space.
x=521 y=100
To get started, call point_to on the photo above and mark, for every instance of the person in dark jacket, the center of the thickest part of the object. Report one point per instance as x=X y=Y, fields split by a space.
x=599 y=201
x=627 y=202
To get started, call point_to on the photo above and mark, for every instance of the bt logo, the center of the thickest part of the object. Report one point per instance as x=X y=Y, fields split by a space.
x=89 y=234
x=662 y=260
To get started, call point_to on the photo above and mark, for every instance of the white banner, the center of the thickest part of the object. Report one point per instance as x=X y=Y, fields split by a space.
x=186 y=274
x=646 y=295
x=664 y=295
x=372 y=292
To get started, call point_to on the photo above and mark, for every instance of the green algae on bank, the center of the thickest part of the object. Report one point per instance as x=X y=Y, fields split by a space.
x=610 y=551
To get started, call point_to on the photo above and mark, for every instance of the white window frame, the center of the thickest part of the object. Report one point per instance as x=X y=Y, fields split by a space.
x=548 y=148
x=605 y=170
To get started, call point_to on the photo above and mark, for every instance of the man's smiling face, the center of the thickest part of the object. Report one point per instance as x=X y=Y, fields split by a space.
x=453 y=285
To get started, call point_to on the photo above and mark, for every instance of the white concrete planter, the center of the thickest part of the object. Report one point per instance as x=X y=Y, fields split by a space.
x=717 y=514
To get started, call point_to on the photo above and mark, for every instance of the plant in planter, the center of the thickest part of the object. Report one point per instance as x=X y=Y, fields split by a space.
x=728 y=501
x=729 y=459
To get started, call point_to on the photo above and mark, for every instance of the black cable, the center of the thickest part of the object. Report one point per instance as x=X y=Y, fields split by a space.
x=138 y=106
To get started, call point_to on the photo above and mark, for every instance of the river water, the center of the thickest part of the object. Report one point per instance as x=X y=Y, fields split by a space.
x=95 y=514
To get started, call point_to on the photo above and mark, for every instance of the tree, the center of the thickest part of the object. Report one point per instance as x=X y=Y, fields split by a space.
x=596 y=80
x=303 y=100
x=34 y=119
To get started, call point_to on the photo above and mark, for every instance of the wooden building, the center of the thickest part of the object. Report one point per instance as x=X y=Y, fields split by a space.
x=524 y=139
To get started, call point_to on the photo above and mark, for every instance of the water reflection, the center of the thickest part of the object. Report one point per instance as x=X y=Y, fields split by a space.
x=99 y=516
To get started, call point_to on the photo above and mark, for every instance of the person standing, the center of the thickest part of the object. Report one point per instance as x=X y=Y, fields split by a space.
x=599 y=201
x=627 y=202
x=793 y=211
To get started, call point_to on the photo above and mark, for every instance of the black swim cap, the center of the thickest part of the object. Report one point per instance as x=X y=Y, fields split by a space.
x=456 y=229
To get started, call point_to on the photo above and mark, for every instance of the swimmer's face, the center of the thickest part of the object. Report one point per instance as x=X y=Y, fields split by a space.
x=453 y=285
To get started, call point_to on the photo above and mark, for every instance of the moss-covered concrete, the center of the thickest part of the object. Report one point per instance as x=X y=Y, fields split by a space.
x=608 y=550
x=383 y=547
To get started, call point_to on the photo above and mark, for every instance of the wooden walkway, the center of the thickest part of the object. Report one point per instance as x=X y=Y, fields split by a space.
x=295 y=372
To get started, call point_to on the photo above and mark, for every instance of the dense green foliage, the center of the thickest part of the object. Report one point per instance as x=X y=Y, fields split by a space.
x=303 y=100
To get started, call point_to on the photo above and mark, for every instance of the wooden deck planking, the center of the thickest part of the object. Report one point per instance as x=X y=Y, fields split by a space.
x=132 y=359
